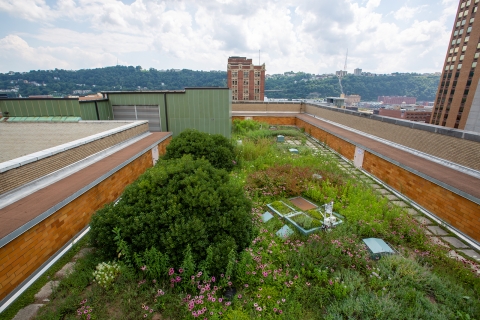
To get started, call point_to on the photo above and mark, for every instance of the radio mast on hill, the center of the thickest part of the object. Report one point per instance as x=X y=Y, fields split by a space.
x=342 y=73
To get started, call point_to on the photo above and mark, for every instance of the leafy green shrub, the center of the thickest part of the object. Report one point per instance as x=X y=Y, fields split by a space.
x=106 y=273
x=177 y=203
x=215 y=148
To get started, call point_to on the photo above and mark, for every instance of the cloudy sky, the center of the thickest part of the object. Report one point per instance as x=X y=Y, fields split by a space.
x=293 y=35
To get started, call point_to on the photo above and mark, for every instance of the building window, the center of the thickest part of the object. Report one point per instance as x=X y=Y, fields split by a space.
x=458 y=24
x=456 y=50
x=234 y=73
x=461 y=32
x=466 y=39
x=474 y=64
x=461 y=57
x=464 y=21
x=478 y=46
x=257 y=74
x=458 y=40
x=245 y=82
x=446 y=68
x=455 y=33
x=468 y=2
x=471 y=20
x=234 y=82
x=245 y=74
x=449 y=59
x=451 y=67
x=245 y=98
x=475 y=9
x=451 y=51
x=464 y=48
x=454 y=59
x=459 y=66
x=469 y=29
x=476 y=55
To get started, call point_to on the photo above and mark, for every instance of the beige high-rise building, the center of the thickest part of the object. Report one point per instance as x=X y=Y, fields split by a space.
x=457 y=104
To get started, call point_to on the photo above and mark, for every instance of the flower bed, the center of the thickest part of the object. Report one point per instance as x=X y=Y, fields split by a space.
x=328 y=275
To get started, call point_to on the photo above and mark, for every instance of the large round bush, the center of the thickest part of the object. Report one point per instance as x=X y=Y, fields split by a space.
x=176 y=203
x=215 y=148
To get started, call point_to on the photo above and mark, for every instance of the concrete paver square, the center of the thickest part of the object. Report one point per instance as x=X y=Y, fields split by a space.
x=400 y=203
x=423 y=220
x=471 y=253
x=383 y=191
x=455 y=242
x=412 y=211
x=391 y=197
x=375 y=186
x=46 y=290
x=66 y=269
x=437 y=230
x=28 y=312
x=439 y=242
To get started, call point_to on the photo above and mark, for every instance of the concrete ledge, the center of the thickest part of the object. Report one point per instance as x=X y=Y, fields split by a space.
x=461 y=134
x=18 y=162
x=11 y=236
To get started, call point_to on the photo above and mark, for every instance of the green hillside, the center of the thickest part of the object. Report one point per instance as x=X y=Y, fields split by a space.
x=299 y=86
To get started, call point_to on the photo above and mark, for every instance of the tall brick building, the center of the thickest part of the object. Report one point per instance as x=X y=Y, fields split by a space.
x=246 y=80
x=397 y=99
x=457 y=104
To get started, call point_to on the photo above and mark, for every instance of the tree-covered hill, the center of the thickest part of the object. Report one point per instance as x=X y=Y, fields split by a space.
x=299 y=86
x=423 y=87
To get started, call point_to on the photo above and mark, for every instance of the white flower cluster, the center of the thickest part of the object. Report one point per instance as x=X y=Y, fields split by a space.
x=106 y=273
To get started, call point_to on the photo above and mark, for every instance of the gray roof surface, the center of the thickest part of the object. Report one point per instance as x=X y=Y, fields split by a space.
x=21 y=138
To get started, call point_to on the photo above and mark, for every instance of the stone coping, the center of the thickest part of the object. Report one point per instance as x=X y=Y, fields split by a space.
x=39 y=213
x=457 y=133
x=20 y=161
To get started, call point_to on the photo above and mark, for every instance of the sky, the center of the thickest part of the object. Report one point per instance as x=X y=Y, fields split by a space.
x=313 y=36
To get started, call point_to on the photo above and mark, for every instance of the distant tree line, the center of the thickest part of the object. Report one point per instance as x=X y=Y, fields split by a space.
x=60 y=82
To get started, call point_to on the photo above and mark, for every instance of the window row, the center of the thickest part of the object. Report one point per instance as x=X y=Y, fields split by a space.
x=463 y=22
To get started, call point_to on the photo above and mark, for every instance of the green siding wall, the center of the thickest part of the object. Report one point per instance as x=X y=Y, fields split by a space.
x=201 y=109
x=207 y=110
x=41 y=108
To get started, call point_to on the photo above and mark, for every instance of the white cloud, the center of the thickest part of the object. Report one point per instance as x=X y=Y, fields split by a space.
x=301 y=35
x=16 y=52
x=406 y=13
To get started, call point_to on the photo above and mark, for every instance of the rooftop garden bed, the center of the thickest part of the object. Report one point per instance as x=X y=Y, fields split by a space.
x=195 y=265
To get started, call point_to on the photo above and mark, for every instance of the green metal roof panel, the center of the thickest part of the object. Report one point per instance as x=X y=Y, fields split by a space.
x=377 y=246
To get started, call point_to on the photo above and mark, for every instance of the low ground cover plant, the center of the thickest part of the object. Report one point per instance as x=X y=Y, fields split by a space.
x=327 y=275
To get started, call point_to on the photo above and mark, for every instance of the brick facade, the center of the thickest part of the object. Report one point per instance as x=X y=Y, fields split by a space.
x=246 y=80
x=26 y=253
x=20 y=176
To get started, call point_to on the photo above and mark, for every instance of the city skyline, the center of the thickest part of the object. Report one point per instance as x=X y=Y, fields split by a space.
x=309 y=36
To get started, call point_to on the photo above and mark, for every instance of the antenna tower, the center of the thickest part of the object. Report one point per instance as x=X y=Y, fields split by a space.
x=340 y=76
